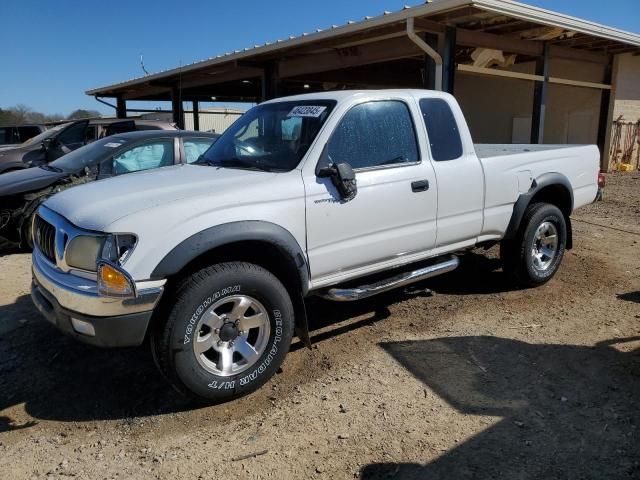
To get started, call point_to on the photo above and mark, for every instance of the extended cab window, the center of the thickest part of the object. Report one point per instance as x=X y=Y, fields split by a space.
x=442 y=129
x=374 y=134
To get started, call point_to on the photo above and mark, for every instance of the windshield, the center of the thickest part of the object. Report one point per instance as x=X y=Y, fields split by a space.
x=88 y=155
x=46 y=134
x=271 y=137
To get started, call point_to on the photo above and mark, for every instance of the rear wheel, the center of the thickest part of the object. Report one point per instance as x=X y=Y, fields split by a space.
x=227 y=333
x=533 y=257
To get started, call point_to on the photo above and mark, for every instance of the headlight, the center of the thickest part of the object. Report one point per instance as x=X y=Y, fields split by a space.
x=85 y=251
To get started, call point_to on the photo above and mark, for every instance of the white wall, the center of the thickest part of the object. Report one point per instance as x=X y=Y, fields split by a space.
x=497 y=108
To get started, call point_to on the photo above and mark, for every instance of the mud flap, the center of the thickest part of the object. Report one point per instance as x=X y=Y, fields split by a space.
x=302 y=324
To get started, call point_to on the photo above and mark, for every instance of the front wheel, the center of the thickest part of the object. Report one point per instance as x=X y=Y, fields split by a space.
x=533 y=257
x=227 y=333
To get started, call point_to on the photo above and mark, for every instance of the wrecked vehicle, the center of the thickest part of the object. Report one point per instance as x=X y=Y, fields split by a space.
x=342 y=195
x=13 y=135
x=67 y=137
x=21 y=192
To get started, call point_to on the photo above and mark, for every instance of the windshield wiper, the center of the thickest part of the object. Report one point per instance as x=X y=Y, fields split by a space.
x=236 y=162
x=51 y=168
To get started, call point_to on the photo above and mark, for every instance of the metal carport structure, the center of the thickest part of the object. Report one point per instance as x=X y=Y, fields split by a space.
x=427 y=46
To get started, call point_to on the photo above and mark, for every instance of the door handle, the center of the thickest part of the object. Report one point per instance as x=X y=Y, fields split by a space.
x=420 y=186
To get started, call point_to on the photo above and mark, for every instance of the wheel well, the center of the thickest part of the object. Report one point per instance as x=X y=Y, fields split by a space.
x=261 y=253
x=557 y=195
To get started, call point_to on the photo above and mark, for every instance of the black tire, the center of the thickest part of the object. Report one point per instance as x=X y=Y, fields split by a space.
x=518 y=261
x=172 y=340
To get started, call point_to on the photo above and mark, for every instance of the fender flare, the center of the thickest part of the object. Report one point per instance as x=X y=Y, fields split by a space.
x=251 y=230
x=228 y=233
x=523 y=201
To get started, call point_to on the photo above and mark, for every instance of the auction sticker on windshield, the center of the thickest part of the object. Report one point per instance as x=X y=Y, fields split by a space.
x=313 y=111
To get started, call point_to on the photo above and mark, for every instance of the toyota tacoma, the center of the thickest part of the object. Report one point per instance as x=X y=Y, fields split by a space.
x=342 y=195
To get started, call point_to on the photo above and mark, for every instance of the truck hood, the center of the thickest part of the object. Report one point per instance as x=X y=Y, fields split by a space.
x=96 y=205
x=27 y=180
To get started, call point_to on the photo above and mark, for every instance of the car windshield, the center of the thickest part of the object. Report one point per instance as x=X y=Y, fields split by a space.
x=86 y=156
x=270 y=137
x=46 y=134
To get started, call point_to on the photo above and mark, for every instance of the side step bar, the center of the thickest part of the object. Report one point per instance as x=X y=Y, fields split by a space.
x=406 y=278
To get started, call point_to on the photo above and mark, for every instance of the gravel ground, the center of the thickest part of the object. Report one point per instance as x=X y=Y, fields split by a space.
x=478 y=380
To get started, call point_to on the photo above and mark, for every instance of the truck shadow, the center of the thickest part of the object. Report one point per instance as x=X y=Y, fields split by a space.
x=568 y=411
x=630 y=297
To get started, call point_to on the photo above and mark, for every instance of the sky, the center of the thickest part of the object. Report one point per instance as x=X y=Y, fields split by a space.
x=55 y=50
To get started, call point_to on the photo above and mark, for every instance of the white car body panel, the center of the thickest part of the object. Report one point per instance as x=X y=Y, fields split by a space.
x=470 y=199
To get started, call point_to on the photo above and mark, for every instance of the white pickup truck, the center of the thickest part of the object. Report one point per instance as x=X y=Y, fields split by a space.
x=339 y=194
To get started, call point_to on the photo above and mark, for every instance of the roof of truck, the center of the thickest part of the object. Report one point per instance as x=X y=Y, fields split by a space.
x=341 y=95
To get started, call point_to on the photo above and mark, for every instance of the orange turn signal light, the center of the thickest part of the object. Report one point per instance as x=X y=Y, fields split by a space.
x=114 y=281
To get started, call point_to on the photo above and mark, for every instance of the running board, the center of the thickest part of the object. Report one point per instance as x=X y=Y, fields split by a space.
x=365 y=291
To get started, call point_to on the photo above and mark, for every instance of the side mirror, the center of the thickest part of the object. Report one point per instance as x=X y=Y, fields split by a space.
x=343 y=178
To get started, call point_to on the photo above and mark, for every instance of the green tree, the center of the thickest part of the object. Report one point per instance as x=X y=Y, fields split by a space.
x=81 y=113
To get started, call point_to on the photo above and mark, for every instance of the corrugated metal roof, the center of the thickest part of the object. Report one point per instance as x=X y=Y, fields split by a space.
x=429 y=8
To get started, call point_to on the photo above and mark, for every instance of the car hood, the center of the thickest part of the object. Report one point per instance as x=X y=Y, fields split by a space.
x=96 y=205
x=27 y=180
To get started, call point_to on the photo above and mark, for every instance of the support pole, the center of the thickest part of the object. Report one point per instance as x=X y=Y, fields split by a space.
x=271 y=87
x=540 y=97
x=604 y=123
x=196 y=116
x=121 y=107
x=176 y=107
x=449 y=60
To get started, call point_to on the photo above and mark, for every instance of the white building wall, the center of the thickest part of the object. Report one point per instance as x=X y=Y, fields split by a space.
x=212 y=120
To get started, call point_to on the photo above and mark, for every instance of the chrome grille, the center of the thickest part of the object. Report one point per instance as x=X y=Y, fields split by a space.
x=44 y=236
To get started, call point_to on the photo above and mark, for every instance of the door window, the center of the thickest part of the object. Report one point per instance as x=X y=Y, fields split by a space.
x=154 y=154
x=375 y=134
x=7 y=135
x=74 y=135
x=25 y=133
x=194 y=147
x=444 y=136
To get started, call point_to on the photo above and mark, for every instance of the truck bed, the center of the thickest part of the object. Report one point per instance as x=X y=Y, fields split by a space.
x=487 y=150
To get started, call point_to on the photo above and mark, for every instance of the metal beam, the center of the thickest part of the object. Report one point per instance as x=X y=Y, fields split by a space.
x=449 y=60
x=604 y=121
x=176 y=107
x=540 y=97
x=121 y=107
x=371 y=53
x=469 y=38
x=196 y=116
x=271 y=83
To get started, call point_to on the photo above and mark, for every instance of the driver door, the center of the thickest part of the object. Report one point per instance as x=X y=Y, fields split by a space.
x=71 y=138
x=394 y=212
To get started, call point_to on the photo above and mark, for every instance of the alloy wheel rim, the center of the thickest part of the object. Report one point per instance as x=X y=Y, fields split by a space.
x=545 y=246
x=231 y=335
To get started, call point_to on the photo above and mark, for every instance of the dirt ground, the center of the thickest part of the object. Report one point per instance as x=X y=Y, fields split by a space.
x=476 y=381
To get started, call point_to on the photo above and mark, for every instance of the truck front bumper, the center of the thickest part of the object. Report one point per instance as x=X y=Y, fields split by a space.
x=73 y=305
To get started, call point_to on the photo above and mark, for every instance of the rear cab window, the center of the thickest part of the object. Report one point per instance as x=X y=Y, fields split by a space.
x=442 y=129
